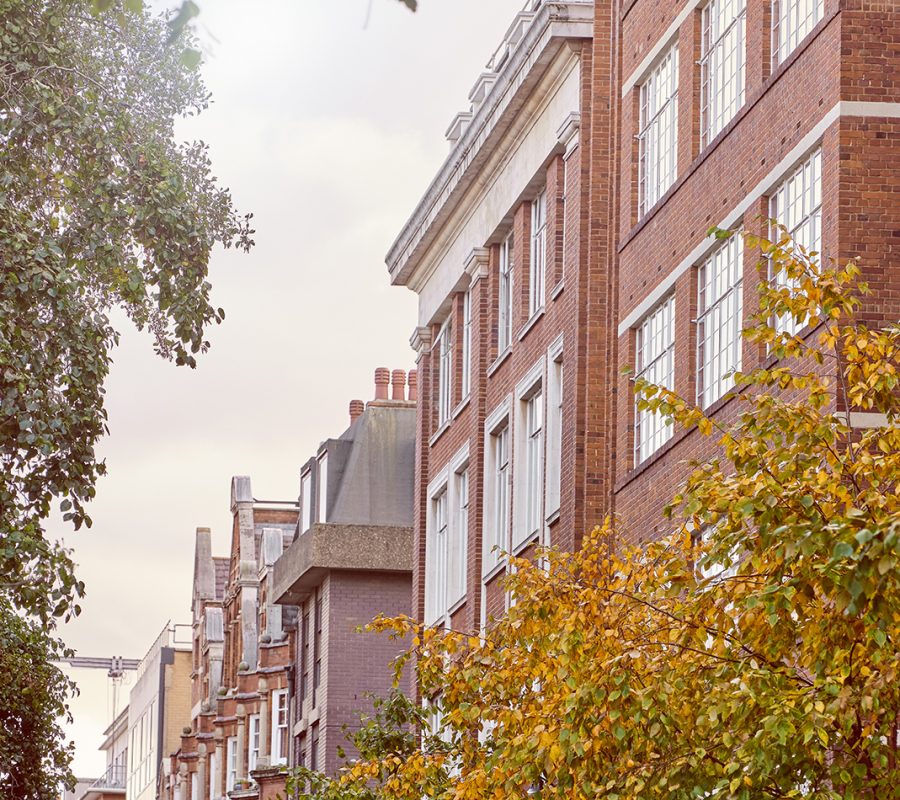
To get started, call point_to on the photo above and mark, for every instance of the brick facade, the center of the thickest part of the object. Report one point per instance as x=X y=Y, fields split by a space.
x=609 y=265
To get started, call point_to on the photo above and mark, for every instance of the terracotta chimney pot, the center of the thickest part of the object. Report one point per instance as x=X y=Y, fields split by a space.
x=413 y=378
x=356 y=409
x=382 y=379
x=398 y=384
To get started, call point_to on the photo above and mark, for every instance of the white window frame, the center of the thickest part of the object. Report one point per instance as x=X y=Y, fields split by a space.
x=537 y=268
x=322 y=487
x=231 y=761
x=722 y=65
x=564 y=202
x=252 y=742
x=466 y=355
x=505 y=294
x=306 y=509
x=792 y=21
x=459 y=527
x=655 y=361
x=528 y=491
x=497 y=484
x=720 y=311
x=796 y=203
x=443 y=346
x=280 y=722
x=554 y=418
x=658 y=135
x=437 y=547
x=213 y=775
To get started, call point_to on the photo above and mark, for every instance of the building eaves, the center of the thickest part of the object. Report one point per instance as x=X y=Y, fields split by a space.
x=553 y=25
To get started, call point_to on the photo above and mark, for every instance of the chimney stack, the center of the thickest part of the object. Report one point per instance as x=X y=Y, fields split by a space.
x=398 y=384
x=382 y=379
x=412 y=386
x=356 y=409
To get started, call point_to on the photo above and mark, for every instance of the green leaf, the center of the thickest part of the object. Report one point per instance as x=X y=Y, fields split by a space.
x=191 y=58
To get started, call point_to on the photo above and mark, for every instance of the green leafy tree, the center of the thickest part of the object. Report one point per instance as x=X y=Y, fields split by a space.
x=753 y=653
x=34 y=756
x=101 y=211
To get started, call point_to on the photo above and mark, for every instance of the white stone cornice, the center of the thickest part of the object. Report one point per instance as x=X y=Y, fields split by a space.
x=476 y=265
x=420 y=341
x=567 y=133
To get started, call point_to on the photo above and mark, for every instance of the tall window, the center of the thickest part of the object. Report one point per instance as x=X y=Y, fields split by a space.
x=304 y=657
x=797 y=204
x=457 y=583
x=322 y=478
x=554 y=433
x=534 y=487
x=279 y=726
x=231 y=775
x=466 y=343
x=505 y=295
x=536 y=273
x=314 y=747
x=792 y=20
x=253 y=743
x=658 y=137
x=306 y=501
x=499 y=480
x=213 y=775
x=436 y=583
x=720 y=307
x=317 y=647
x=722 y=64
x=444 y=354
x=655 y=363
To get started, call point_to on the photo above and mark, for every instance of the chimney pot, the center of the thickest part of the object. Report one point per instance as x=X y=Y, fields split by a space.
x=398 y=384
x=413 y=378
x=382 y=379
x=356 y=409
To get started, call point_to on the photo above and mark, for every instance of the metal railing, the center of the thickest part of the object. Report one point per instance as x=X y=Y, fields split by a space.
x=113 y=778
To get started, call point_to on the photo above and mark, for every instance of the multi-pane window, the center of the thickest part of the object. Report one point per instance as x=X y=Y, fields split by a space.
x=231 y=752
x=314 y=747
x=505 y=295
x=562 y=212
x=554 y=433
x=658 y=137
x=792 y=20
x=537 y=272
x=656 y=364
x=317 y=646
x=306 y=501
x=304 y=656
x=797 y=204
x=444 y=353
x=322 y=482
x=253 y=743
x=720 y=307
x=466 y=344
x=436 y=598
x=722 y=64
x=534 y=462
x=279 y=726
x=457 y=576
x=500 y=480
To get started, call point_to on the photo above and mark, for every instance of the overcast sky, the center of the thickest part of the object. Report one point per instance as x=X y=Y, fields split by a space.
x=328 y=124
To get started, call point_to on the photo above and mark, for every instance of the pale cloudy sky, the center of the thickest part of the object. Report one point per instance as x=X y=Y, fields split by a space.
x=329 y=129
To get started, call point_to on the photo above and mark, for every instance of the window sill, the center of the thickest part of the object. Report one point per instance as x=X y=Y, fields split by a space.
x=498 y=361
x=494 y=571
x=530 y=324
x=460 y=407
x=557 y=290
x=454 y=607
x=553 y=517
x=522 y=546
x=438 y=433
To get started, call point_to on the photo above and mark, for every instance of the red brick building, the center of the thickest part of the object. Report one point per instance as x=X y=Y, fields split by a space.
x=565 y=237
x=349 y=562
x=238 y=741
x=733 y=112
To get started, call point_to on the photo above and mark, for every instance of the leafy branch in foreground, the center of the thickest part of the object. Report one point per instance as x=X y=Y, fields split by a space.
x=100 y=209
x=752 y=653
